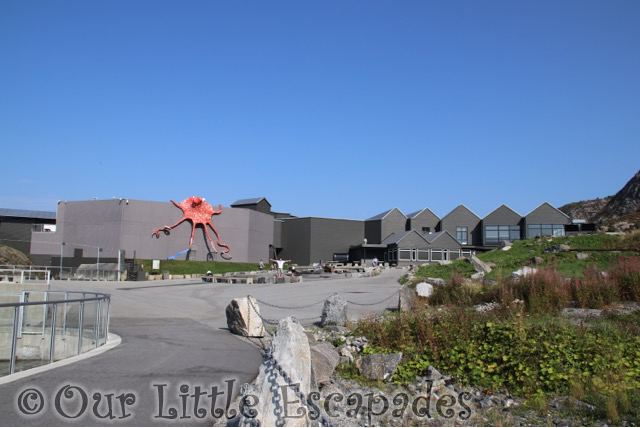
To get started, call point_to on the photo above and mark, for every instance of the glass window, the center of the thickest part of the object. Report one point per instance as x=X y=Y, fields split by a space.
x=423 y=255
x=545 y=229
x=494 y=234
x=426 y=230
x=454 y=254
x=404 y=254
x=462 y=234
x=436 y=254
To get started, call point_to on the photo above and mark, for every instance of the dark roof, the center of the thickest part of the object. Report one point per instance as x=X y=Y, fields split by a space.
x=384 y=214
x=415 y=214
x=8 y=212
x=430 y=237
x=251 y=201
x=394 y=238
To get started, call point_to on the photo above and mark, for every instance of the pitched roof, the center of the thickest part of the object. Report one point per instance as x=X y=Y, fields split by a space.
x=250 y=201
x=9 y=212
x=384 y=214
x=431 y=237
x=546 y=203
x=457 y=208
x=417 y=213
x=394 y=238
x=507 y=207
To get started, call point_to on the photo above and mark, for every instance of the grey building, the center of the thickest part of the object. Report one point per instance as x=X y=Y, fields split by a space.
x=545 y=220
x=112 y=226
x=464 y=225
x=307 y=240
x=383 y=225
x=16 y=227
x=424 y=221
x=412 y=247
x=257 y=204
x=502 y=224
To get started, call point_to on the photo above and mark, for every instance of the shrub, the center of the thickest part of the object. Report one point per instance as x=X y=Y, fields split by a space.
x=626 y=275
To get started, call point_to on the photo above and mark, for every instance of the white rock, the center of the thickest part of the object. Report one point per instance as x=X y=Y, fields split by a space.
x=524 y=271
x=424 y=289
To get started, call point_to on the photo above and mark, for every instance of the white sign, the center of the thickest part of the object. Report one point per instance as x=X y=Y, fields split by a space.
x=155 y=264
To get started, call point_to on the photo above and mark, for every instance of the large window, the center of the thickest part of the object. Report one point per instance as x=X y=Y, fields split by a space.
x=534 y=230
x=462 y=234
x=423 y=255
x=404 y=255
x=494 y=234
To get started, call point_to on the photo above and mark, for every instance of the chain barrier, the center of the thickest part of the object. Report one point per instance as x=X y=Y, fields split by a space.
x=374 y=303
x=289 y=307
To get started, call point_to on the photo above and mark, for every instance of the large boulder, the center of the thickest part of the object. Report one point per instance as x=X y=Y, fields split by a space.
x=380 y=366
x=291 y=352
x=334 y=311
x=406 y=298
x=424 y=289
x=324 y=360
x=524 y=271
x=436 y=281
x=479 y=265
x=243 y=317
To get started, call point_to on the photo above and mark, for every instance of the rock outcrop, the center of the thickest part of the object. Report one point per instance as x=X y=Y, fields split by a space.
x=334 y=311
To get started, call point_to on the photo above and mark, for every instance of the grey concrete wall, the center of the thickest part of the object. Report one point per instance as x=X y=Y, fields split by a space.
x=462 y=216
x=445 y=242
x=296 y=240
x=546 y=214
x=277 y=233
x=394 y=222
x=412 y=241
x=425 y=219
x=329 y=236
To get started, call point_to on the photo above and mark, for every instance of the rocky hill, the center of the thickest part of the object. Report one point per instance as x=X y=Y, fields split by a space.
x=605 y=210
x=626 y=201
x=586 y=210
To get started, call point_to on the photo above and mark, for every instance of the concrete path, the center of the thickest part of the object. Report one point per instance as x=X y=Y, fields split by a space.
x=174 y=335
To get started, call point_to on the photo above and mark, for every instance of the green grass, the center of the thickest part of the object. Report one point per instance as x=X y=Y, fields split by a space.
x=181 y=267
x=523 y=251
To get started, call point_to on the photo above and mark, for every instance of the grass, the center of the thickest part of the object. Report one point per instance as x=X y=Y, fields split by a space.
x=523 y=251
x=182 y=267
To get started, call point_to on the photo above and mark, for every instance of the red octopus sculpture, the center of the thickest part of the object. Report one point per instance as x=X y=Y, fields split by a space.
x=198 y=212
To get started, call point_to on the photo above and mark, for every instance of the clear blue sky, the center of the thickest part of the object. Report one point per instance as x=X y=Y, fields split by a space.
x=327 y=108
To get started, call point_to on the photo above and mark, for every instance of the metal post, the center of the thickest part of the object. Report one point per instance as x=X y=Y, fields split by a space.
x=106 y=328
x=98 y=264
x=118 y=274
x=64 y=319
x=80 y=327
x=95 y=326
x=52 y=345
x=48 y=280
x=14 y=341
x=61 y=257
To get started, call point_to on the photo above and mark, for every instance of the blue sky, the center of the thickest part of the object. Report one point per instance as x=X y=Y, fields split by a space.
x=327 y=108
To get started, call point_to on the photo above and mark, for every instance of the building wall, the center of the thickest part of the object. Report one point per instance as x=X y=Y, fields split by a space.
x=425 y=219
x=394 y=222
x=462 y=216
x=116 y=224
x=412 y=241
x=445 y=242
x=501 y=216
x=373 y=231
x=329 y=236
x=296 y=240
x=16 y=233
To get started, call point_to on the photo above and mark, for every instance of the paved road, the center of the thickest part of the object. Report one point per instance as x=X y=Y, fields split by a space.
x=174 y=333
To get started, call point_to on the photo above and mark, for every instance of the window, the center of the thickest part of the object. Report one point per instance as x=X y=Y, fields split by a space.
x=426 y=230
x=454 y=254
x=494 y=234
x=462 y=234
x=534 y=230
x=436 y=255
x=423 y=255
x=404 y=255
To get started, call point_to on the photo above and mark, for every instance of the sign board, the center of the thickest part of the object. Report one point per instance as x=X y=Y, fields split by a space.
x=155 y=264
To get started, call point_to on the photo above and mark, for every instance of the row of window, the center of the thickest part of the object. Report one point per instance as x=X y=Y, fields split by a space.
x=494 y=234
x=424 y=255
x=534 y=230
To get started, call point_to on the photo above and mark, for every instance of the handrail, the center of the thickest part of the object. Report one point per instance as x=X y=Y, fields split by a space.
x=50 y=310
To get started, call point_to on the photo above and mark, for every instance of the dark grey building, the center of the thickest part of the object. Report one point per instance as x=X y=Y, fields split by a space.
x=383 y=225
x=545 y=220
x=307 y=240
x=464 y=225
x=16 y=227
x=502 y=224
x=256 y=204
x=412 y=247
x=424 y=221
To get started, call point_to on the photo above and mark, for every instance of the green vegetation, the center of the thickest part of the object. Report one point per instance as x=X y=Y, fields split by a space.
x=181 y=267
x=523 y=251
x=525 y=347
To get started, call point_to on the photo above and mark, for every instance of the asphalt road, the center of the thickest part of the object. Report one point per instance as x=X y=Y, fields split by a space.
x=174 y=339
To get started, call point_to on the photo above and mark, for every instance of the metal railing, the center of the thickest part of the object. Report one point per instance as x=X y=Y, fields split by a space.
x=20 y=276
x=40 y=327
